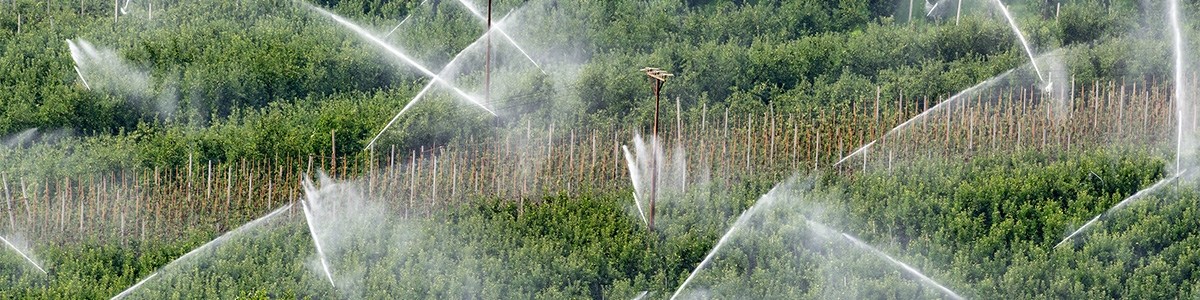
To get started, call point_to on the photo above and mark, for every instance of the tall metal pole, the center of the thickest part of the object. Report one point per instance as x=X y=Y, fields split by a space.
x=658 y=77
x=487 y=68
x=655 y=84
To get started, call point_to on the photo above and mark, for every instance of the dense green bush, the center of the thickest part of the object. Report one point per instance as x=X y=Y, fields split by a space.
x=263 y=79
x=256 y=64
x=986 y=227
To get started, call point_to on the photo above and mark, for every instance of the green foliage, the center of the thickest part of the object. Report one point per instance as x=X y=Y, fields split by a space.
x=265 y=79
x=985 y=227
x=245 y=72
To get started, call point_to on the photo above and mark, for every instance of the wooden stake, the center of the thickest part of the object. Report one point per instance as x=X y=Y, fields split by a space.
x=816 y=148
x=333 y=151
x=189 y=180
x=12 y=221
x=62 y=212
x=25 y=201
x=749 y=142
x=678 y=122
x=208 y=186
x=771 y=151
x=228 y=187
x=593 y=153
x=249 y=188
x=433 y=200
x=412 y=188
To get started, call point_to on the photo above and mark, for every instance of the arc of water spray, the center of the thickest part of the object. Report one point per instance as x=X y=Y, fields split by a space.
x=902 y=265
x=1139 y=195
x=321 y=252
x=402 y=21
x=1180 y=110
x=85 y=83
x=497 y=28
x=860 y=150
x=922 y=115
x=828 y=233
x=124 y=6
x=1021 y=37
x=76 y=52
x=636 y=177
x=420 y=95
x=765 y=201
x=22 y=253
x=642 y=295
x=398 y=25
x=215 y=241
x=931 y=9
x=403 y=57
x=134 y=287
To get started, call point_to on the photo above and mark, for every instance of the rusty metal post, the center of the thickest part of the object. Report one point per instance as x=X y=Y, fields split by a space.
x=658 y=77
x=655 y=84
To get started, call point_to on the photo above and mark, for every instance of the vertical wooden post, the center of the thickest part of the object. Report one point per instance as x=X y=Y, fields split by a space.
x=84 y=199
x=949 y=112
x=592 y=170
x=1017 y=117
x=208 y=186
x=62 y=212
x=616 y=157
x=271 y=189
x=333 y=151
x=25 y=201
x=725 y=144
x=120 y=202
x=189 y=181
x=412 y=187
x=771 y=151
x=45 y=210
x=749 y=147
x=816 y=148
x=228 y=187
x=971 y=132
x=12 y=222
x=1121 y=111
x=571 y=169
x=1145 y=114
x=549 y=156
x=525 y=177
x=678 y=122
x=795 y=142
x=654 y=146
x=875 y=122
x=250 y=197
x=433 y=200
